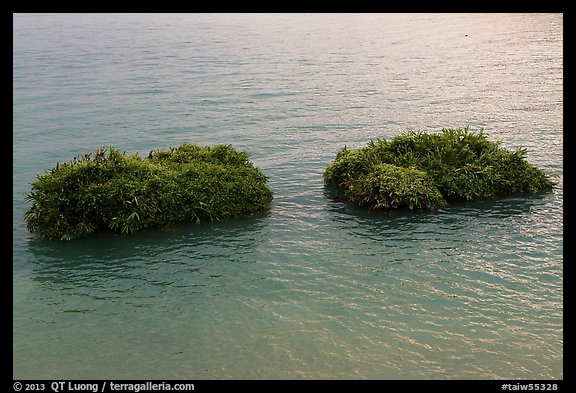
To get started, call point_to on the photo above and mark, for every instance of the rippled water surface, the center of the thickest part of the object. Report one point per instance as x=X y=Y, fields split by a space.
x=314 y=288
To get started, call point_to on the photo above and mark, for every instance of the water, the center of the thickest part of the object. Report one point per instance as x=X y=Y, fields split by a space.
x=314 y=288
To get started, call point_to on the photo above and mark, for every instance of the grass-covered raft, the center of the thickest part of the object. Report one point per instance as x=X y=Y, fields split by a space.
x=126 y=193
x=418 y=170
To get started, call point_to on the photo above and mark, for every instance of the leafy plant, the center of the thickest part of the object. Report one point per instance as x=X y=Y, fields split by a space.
x=127 y=193
x=390 y=186
x=456 y=164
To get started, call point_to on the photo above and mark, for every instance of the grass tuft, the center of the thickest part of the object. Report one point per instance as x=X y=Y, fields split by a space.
x=427 y=170
x=126 y=193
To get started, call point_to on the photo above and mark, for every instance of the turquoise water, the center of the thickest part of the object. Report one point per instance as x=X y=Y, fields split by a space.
x=313 y=288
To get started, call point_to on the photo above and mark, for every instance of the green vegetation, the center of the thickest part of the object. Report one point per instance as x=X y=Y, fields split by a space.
x=425 y=171
x=126 y=193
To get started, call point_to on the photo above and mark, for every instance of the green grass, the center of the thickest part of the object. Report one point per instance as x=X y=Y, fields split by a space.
x=427 y=170
x=112 y=191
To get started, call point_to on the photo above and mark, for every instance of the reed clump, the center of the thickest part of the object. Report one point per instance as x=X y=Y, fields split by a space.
x=420 y=170
x=124 y=193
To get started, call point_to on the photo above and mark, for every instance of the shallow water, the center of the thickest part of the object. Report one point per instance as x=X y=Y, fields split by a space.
x=313 y=288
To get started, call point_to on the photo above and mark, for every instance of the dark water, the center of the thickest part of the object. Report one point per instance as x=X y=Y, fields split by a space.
x=314 y=288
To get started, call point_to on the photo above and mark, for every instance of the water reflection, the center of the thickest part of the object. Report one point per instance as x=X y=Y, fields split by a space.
x=160 y=258
x=497 y=208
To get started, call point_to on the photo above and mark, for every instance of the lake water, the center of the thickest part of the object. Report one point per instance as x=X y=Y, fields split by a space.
x=314 y=289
